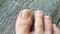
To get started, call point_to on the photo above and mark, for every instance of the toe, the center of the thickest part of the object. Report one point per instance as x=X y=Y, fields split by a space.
x=38 y=22
x=55 y=29
x=24 y=22
x=48 y=25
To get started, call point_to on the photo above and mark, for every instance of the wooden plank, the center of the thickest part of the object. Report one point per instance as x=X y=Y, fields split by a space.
x=9 y=10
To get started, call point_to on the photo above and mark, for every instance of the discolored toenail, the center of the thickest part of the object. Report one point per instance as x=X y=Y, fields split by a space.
x=25 y=14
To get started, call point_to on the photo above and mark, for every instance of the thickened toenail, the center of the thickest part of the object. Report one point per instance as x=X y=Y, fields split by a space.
x=25 y=14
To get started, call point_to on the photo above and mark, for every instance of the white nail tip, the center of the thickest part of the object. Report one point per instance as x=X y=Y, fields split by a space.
x=47 y=16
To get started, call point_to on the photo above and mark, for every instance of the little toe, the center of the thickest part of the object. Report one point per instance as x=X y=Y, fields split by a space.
x=55 y=29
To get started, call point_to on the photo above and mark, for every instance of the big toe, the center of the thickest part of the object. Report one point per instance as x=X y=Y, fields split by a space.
x=24 y=22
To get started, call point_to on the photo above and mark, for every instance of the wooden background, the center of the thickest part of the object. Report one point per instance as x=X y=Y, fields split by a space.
x=9 y=10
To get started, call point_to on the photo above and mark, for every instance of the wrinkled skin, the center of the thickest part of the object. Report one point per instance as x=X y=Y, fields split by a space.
x=43 y=24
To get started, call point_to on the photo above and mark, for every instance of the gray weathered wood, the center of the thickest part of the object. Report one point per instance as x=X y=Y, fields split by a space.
x=9 y=10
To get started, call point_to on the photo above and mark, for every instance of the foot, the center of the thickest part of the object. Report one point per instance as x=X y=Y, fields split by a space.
x=43 y=24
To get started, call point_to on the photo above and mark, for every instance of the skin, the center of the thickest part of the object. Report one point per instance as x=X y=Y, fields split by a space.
x=43 y=24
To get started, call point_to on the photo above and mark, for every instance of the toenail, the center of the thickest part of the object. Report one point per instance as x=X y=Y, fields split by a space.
x=47 y=18
x=25 y=14
x=39 y=13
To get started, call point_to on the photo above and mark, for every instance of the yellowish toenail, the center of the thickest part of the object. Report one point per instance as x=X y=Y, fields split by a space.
x=25 y=14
